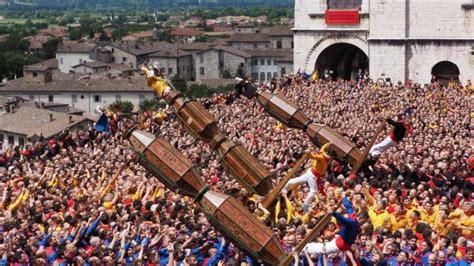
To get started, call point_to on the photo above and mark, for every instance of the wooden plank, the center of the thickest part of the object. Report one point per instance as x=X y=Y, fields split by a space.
x=312 y=234
x=276 y=191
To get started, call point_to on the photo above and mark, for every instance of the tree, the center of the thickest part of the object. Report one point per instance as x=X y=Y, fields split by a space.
x=179 y=83
x=151 y=105
x=103 y=37
x=240 y=72
x=226 y=74
x=123 y=107
x=50 y=48
x=75 y=34
x=117 y=34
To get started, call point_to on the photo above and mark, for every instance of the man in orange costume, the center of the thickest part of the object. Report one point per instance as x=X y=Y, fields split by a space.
x=314 y=175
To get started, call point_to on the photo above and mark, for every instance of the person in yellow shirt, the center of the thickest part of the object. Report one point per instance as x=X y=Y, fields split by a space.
x=399 y=218
x=428 y=213
x=314 y=175
x=378 y=215
x=444 y=223
x=464 y=219
x=109 y=204
x=155 y=81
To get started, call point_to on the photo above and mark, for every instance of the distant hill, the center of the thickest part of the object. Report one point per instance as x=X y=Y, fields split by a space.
x=105 y=4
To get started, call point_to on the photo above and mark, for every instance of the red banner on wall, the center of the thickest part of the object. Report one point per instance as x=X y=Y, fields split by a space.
x=342 y=17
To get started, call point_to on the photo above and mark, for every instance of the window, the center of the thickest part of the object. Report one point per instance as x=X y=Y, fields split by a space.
x=21 y=141
x=124 y=59
x=292 y=45
x=279 y=45
x=97 y=99
x=201 y=70
x=170 y=70
x=80 y=60
x=11 y=140
x=74 y=98
x=61 y=61
x=50 y=98
x=254 y=76
x=141 y=98
x=118 y=98
x=274 y=62
x=201 y=59
x=269 y=62
x=344 y=4
x=275 y=75
x=262 y=76
x=283 y=71
x=254 y=46
x=262 y=62
x=255 y=62
x=1 y=141
x=32 y=98
x=35 y=74
x=269 y=75
x=241 y=65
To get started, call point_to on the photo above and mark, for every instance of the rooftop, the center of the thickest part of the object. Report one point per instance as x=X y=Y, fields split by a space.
x=56 y=31
x=51 y=63
x=249 y=37
x=278 y=31
x=171 y=53
x=66 y=83
x=186 y=32
x=36 y=67
x=92 y=64
x=76 y=48
x=32 y=121
x=142 y=34
x=137 y=48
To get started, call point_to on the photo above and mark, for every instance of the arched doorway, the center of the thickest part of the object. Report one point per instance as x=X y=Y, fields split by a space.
x=342 y=61
x=445 y=71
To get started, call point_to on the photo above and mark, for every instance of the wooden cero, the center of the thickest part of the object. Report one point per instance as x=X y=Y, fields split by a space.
x=224 y=212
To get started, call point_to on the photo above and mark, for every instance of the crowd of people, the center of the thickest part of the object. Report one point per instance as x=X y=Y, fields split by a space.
x=82 y=198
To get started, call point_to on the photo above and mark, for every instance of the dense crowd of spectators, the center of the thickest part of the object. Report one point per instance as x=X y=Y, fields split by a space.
x=82 y=199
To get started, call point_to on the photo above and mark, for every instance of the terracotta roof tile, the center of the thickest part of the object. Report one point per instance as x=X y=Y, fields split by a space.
x=31 y=121
x=249 y=37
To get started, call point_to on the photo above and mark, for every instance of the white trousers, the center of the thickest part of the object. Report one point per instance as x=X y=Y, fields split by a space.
x=381 y=147
x=307 y=177
x=322 y=248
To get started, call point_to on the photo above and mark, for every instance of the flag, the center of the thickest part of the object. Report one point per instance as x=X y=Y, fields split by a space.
x=102 y=125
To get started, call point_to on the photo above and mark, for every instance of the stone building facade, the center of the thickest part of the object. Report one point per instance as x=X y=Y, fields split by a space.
x=394 y=40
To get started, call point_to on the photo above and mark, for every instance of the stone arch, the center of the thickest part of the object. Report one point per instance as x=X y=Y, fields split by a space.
x=329 y=40
x=445 y=71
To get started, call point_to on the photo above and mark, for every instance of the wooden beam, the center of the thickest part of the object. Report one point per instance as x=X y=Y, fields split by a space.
x=276 y=191
x=312 y=234
x=357 y=166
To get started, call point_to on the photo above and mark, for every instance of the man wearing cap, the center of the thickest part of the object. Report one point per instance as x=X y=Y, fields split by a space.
x=314 y=175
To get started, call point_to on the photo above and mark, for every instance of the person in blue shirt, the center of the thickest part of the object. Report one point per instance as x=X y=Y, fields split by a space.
x=347 y=233
x=469 y=258
x=220 y=254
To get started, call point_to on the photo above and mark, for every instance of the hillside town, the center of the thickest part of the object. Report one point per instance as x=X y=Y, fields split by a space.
x=336 y=132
